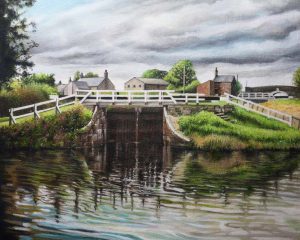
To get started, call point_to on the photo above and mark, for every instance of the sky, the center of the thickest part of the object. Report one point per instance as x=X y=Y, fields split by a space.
x=258 y=40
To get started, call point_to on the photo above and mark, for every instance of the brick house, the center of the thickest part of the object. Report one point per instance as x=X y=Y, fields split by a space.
x=218 y=86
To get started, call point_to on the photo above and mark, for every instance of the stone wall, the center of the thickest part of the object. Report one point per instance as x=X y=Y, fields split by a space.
x=188 y=110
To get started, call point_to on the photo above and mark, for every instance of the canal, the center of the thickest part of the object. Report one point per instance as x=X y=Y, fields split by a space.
x=145 y=189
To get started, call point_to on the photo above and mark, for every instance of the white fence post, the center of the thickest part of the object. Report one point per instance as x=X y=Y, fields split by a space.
x=36 y=114
x=57 y=109
x=11 y=117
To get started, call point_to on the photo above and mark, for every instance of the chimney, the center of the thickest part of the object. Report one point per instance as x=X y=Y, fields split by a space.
x=105 y=74
x=70 y=79
x=216 y=72
x=81 y=75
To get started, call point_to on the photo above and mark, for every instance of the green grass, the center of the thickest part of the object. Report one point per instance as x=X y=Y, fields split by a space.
x=245 y=131
x=4 y=121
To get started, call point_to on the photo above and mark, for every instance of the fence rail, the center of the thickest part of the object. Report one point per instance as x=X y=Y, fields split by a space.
x=139 y=96
x=254 y=107
x=256 y=96
x=38 y=108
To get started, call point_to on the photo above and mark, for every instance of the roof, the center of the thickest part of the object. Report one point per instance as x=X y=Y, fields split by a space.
x=153 y=81
x=224 y=78
x=81 y=85
x=92 y=82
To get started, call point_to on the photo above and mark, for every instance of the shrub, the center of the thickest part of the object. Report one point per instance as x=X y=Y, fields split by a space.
x=21 y=96
x=50 y=131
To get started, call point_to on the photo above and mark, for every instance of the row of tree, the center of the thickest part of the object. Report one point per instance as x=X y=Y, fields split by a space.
x=181 y=77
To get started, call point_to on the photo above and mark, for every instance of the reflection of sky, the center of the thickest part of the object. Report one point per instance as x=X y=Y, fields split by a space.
x=258 y=40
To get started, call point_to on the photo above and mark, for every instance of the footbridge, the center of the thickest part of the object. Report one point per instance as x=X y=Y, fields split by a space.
x=106 y=98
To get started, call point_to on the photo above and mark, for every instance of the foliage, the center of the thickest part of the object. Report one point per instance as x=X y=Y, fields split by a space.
x=91 y=75
x=21 y=96
x=50 y=131
x=78 y=75
x=190 y=88
x=176 y=75
x=39 y=78
x=237 y=88
x=14 y=40
x=154 y=73
x=253 y=130
x=296 y=78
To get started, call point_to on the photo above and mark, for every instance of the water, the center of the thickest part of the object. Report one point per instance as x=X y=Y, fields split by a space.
x=147 y=191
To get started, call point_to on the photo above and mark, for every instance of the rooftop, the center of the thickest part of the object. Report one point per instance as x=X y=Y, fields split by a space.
x=155 y=81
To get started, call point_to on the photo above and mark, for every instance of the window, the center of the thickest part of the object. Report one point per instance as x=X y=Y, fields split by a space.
x=128 y=86
x=140 y=86
x=134 y=86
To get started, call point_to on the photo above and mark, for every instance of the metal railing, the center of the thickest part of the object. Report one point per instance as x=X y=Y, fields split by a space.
x=254 y=107
x=38 y=108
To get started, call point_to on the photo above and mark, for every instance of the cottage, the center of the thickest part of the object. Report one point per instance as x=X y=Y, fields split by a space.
x=145 y=84
x=219 y=85
x=99 y=83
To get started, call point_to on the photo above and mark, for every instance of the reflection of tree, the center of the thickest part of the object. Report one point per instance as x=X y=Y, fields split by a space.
x=236 y=172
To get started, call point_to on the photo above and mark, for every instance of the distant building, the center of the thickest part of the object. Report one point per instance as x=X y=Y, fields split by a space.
x=218 y=86
x=98 y=83
x=137 y=83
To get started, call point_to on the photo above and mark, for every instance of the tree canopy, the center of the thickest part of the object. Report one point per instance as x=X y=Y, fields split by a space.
x=154 y=73
x=237 y=88
x=15 y=43
x=40 y=78
x=296 y=78
x=183 y=69
x=78 y=75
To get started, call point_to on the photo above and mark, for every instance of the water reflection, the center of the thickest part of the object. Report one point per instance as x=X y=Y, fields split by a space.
x=142 y=191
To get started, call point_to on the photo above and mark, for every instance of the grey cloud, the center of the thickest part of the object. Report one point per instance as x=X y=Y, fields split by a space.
x=160 y=32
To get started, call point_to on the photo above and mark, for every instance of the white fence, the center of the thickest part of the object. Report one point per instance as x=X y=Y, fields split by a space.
x=139 y=96
x=256 y=96
x=254 y=107
x=38 y=108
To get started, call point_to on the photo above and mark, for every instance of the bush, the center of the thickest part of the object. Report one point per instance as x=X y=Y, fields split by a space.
x=190 y=88
x=21 y=96
x=50 y=131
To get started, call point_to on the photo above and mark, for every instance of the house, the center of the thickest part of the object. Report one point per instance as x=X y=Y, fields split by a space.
x=218 y=86
x=138 y=83
x=98 y=83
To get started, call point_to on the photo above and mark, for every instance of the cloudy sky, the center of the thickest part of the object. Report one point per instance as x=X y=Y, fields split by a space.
x=258 y=40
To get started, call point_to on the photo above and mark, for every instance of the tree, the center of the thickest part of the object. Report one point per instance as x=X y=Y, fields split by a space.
x=154 y=73
x=79 y=75
x=296 y=78
x=76 y=76
x=237 y=87
x=90 y=75
x=39 y=78
x=15 y=44
x=182 y=71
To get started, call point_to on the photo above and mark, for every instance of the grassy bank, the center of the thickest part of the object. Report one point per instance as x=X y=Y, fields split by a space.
x=49 y=131
x=290 y=106
x=245 y=130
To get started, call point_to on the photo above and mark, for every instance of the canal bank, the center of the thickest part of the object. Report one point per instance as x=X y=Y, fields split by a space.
x=209 y=127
